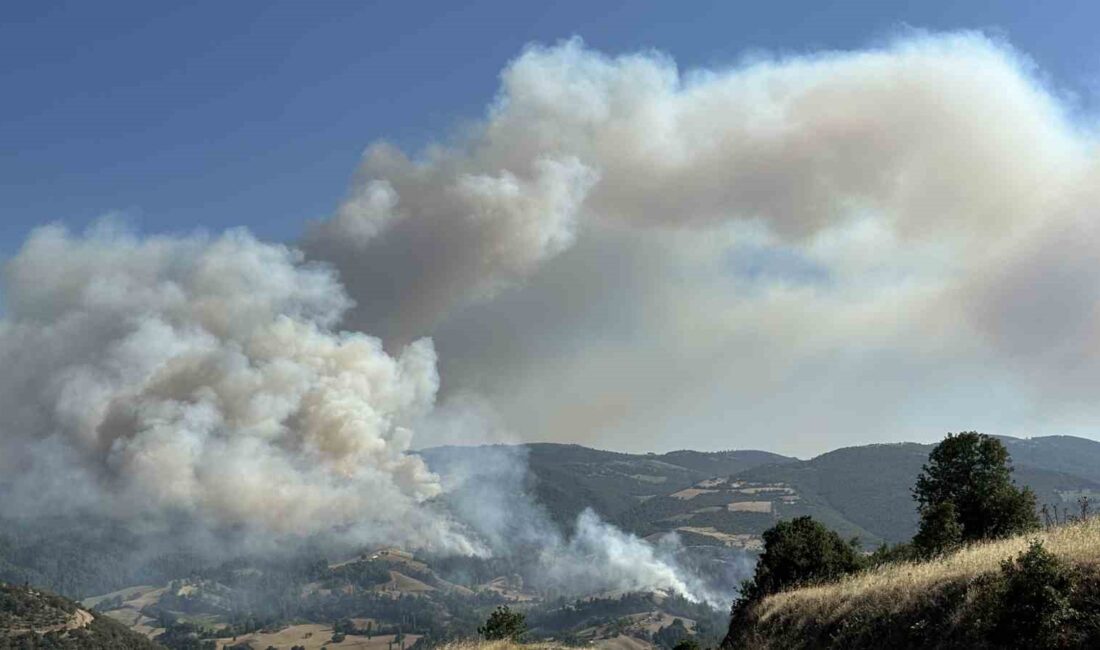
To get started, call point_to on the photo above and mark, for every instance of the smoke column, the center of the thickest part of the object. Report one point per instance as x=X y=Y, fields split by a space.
x=919 y=198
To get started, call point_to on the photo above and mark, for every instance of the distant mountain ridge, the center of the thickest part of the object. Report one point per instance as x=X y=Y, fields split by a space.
x=859 y=491
x=567 y=478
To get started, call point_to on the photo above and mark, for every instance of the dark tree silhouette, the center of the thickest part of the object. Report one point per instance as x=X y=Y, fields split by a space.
x=800 y=551
x=503 y=623
x=972 y=472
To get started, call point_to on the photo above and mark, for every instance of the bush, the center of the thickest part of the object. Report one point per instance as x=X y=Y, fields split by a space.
x=887 y=554
x=796 y=552
x=1034 y=603
x=799 y=552
x=503 y=623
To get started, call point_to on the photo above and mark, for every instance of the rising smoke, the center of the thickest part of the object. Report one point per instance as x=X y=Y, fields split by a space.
x=489 y=489
x=866 y=233
x=616 y=242
x=201 y=376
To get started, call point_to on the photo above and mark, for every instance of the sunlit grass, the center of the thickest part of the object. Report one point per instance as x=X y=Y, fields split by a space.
x=896 y=587
x=502 y=645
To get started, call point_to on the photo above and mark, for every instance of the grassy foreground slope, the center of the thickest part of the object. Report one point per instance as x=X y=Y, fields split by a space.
x=501 y=645
x=944 y=603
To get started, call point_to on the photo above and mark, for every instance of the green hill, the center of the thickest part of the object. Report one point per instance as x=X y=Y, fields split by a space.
x=868 y=487
x=566 y=479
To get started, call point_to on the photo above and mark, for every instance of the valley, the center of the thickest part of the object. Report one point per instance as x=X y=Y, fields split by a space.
x=717 y=504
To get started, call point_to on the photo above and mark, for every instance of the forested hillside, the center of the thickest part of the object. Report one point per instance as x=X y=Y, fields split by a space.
x=31 y=618
x=860 y=491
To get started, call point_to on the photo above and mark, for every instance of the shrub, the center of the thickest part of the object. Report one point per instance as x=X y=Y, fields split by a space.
x=798 y=552
x=503 y=623
x=1034 y=600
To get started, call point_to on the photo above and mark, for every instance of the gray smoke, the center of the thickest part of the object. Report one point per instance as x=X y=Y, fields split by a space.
x=620 y=249
x=203 y=377
x=490 y=490
x=907 y=222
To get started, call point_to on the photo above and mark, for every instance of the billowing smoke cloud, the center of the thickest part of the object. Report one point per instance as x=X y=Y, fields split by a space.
x=414 y=239
x=202 y=377
x=821 y=249
x=882 y=219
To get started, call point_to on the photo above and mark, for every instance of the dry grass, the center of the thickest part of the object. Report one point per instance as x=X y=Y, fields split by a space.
x=895 y=587
x=313 y=637
x=620 y=643
x=501 y=645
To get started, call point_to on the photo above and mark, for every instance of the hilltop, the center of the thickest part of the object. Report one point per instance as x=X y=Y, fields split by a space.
x=34 y=618
x=943 y=603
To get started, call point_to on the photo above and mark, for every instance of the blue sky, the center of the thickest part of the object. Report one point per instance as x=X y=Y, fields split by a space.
x=218 y=114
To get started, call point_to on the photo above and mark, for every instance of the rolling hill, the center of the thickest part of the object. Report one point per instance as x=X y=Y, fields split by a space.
x=33 y=618
x=868 y=488
x=719 y=504
x=861 y=491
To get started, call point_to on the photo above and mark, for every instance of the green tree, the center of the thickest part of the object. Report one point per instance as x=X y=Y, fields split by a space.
x=503 y=623
x=798 y=552
x=972 y=472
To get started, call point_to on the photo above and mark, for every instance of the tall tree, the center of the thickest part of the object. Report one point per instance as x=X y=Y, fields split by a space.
x=970 y=474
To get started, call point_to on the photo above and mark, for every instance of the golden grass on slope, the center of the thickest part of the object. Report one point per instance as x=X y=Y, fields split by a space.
x=618 y=643
x=894 y=587
x=501 y=645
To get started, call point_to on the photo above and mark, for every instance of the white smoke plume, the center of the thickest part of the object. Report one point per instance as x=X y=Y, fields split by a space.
x=203 y=377
x=809 y=246
x=599 y=557
x=889 y=217
x=488 y=488
x=801 y=144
